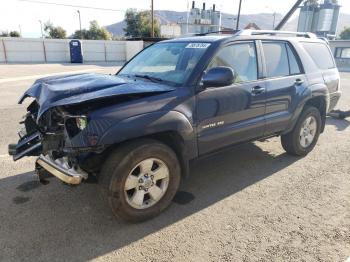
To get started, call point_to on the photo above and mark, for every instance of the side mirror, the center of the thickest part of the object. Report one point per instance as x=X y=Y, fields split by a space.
x=218 y=76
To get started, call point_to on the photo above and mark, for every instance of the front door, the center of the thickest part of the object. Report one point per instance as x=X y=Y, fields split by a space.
x=234 y=113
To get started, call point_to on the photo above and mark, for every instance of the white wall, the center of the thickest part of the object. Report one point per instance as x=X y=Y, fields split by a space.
x=17 y=50
x=132 y=48
x=2 y=52
x=57 y=50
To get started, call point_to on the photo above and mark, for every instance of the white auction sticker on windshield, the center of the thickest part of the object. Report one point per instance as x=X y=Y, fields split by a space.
x=197 y=45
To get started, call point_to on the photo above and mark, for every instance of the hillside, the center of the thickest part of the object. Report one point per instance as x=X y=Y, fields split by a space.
x=263 y=20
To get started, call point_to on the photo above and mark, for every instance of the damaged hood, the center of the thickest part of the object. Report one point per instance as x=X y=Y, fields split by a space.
x=55 y=91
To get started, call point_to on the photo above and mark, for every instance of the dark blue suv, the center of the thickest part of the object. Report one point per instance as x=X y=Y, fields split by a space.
x=137 y=131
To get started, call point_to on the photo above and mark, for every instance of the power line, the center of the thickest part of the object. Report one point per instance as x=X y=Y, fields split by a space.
x=75 y=6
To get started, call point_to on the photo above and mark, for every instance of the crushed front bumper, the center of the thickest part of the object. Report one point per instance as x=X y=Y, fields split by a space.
x=61 y=169
x=29 y=145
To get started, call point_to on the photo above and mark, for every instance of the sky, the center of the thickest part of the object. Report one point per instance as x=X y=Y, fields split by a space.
x=24 y=16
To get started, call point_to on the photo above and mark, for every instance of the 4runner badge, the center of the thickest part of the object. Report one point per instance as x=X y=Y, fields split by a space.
x=211 y=125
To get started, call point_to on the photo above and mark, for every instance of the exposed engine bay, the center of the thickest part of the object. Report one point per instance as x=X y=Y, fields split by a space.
x=50 y=139
x=58 y=128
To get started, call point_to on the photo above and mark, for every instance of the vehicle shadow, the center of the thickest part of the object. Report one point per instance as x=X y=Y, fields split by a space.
x=340 y=124
x=74 y=224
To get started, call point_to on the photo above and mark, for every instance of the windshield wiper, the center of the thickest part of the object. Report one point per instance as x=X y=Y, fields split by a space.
x=148 y=77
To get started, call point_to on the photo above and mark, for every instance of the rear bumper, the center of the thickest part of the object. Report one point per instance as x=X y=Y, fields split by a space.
x=60 y=169
x=333 y=100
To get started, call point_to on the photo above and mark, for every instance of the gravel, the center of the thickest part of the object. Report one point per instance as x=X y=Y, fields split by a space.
x=250 y=203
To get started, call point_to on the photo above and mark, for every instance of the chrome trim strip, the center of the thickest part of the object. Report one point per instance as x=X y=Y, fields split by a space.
x=60 y=172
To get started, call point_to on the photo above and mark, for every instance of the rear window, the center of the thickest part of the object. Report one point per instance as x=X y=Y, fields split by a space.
x=320 y=54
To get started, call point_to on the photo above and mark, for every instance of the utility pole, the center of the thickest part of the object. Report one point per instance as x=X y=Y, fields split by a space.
x=152 y=19
x=273 y=15
x=41 y=29
x=20 y=30
x=239 y=14
x=81 y=33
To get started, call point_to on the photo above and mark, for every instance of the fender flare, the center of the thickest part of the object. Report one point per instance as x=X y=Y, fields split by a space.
x=313 y=91
x=152 y=123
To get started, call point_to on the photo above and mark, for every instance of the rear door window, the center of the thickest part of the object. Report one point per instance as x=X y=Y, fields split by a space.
x=320 y=54
x=276 y=59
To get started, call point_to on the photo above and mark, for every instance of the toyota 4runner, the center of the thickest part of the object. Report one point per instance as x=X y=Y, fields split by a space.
x=176 y=100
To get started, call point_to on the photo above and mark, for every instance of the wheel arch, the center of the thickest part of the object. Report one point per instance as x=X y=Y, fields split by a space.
x=320 y=102
x=171 y=128
x=315 y=95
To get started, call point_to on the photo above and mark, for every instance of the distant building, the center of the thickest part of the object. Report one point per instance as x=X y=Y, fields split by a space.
x=341 y=51
x=202 y=20
x=319 y=18
x=170 y=30
x=252 y=26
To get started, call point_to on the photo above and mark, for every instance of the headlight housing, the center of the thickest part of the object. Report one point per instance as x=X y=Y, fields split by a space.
x=81 y=122
x=75 y=124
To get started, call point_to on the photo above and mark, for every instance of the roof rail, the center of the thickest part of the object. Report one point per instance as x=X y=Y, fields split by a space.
x=218 y=32
x=274 y=32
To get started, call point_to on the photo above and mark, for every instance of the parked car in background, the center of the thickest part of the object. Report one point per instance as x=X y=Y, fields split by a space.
x=175 y=101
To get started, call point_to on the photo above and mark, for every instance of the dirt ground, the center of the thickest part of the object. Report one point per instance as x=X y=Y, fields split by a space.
x=250 y=203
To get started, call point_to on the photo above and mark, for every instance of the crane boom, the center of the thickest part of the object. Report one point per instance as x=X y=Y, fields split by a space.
x=288 y=15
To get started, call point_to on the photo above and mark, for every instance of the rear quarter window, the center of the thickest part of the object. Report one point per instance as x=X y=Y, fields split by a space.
x=320 y=54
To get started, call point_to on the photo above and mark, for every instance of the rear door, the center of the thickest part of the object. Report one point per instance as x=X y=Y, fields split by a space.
x=285 y=79
x=234 y=113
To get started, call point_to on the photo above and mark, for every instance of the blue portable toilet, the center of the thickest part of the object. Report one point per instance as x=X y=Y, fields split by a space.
x=76 y=53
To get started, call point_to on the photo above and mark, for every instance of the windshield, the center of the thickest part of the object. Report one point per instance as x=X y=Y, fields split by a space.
x=168 y=62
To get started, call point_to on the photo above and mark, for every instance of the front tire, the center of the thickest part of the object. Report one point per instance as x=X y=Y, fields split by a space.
x=140 y=179
x=303 y=138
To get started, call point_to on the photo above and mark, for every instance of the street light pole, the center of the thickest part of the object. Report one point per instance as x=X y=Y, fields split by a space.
x=41 y=29
x=81 y=33
x=152 y=19
x=239 y=14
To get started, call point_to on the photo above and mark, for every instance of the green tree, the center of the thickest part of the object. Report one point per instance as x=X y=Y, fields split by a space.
x=95 y=32
x=131 y=20
x=15 y=34
x=52 y=31
x=4 y=34
x=345 y=34
x=11 y=34
x=139 y=24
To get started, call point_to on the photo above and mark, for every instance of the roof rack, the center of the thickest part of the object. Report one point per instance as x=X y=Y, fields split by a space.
x=232 y=32
x=274 y=32
x=249 y=32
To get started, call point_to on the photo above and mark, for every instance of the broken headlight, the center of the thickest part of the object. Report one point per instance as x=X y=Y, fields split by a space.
x=81 y=122
x=75 y=124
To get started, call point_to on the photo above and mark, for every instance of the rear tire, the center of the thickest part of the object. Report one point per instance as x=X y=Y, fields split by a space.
x=140 y=179
x=303 y=138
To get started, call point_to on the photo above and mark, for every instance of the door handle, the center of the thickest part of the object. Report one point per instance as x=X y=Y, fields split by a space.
x=299 y=82
x=256 y=90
